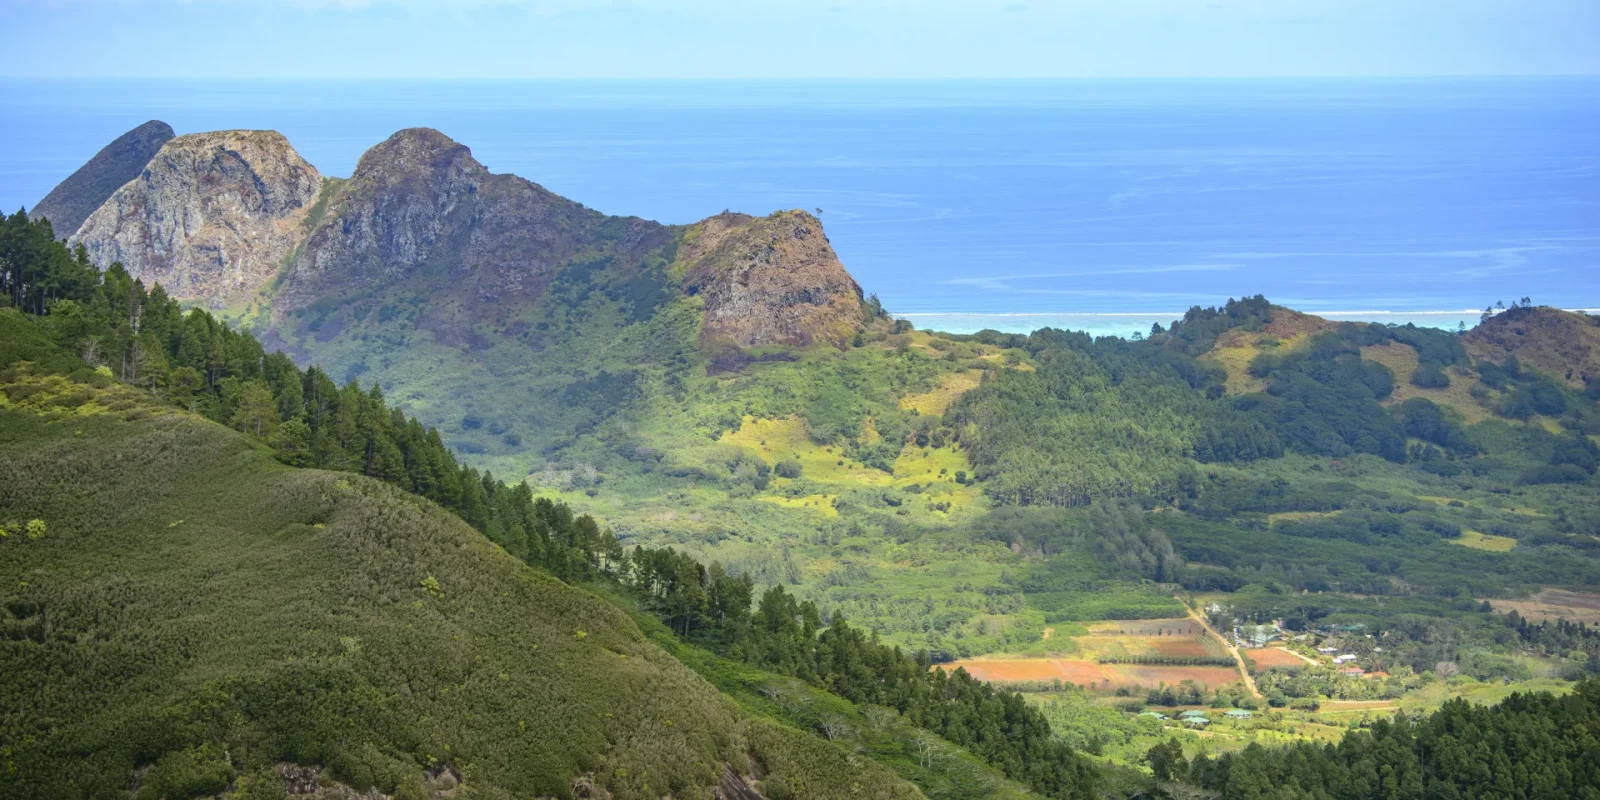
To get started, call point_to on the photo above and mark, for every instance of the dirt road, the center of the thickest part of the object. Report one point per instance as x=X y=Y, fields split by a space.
x=1249 y=682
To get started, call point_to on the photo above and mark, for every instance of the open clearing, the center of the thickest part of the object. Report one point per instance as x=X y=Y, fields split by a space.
x=1266 y=658
x=1555 y=604
x=935 y=402
x=1485 y=541
x=1402 y=361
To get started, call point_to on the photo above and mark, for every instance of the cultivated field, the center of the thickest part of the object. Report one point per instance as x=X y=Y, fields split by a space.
x=1086 y=673
x=1266 y=658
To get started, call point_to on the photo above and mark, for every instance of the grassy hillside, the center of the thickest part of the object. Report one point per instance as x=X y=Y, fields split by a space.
x=192 y=613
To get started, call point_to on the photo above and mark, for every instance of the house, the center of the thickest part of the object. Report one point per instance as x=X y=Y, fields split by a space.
x=1354 y=672
x=1192 y=714
x=1237 y=713
x=1344 y=659
x=1327 y=650
x=1198 y=722
x=1155 y=714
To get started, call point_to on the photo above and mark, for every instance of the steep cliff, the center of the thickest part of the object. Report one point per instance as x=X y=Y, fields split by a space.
x=212 y=216
x=71 y=202
x=770 y=281
x=421 y=213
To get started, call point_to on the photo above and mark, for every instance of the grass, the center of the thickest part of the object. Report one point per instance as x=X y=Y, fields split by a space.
x=935 y=402
x=1402 y=361
x=197 y=608
x=1485 y=541
x=820 y=503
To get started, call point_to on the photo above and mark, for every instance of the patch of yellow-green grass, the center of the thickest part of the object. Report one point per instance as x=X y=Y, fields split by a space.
x=934 y=469
x=1295 y=516
x=1235 y=349
x=1485 y=541
x=820 y=503
x=1235 y=360
x=935 y=402
x=777 y=439
x=1401 y=360
x=56 y=397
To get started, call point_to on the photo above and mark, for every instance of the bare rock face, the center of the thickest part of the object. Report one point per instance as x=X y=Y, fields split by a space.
x=71 y=202
x=771 y=280
x=421 y=210
x=212 y=216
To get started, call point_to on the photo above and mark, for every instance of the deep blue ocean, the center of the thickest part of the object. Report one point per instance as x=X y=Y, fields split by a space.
x=1087 y=204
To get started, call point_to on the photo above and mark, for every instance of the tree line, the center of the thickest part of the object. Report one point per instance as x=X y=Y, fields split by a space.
x=1530 y=746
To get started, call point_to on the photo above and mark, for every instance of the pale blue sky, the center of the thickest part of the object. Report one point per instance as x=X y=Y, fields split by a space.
x=796 y=38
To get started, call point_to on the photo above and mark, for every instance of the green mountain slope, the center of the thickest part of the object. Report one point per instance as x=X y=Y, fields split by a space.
x=195 y=608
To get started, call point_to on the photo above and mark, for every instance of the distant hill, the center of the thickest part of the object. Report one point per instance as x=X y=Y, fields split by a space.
x=71 y=202
x=193 y=617
x=1562 y=344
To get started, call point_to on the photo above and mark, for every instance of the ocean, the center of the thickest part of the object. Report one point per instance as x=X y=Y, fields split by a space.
x=1102 y=205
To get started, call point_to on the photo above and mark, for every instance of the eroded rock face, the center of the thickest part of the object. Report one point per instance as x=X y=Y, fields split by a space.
x=211 y=217
x=421 y=209
x=771 y=280
x=71 y=202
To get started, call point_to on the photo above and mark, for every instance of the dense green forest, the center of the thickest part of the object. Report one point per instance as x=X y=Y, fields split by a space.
x=1527 y=746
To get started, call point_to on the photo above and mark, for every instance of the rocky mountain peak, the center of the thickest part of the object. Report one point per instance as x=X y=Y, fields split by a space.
x=212 y=216
x=421 y=210
x=771 y=280
x=71 y=202
x=417 y=151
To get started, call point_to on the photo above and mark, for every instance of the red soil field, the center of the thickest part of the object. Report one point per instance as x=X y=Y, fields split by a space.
x=1266 y=658
x=1089 y=672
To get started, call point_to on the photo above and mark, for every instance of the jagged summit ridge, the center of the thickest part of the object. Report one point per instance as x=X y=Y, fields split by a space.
x=420 y=208
x=71 y=202
x=211 y=217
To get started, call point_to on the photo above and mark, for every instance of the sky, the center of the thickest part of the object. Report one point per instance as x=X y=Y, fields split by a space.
x=796 y=39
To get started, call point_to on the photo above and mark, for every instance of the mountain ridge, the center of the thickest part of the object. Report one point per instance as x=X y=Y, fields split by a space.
x=74 y=199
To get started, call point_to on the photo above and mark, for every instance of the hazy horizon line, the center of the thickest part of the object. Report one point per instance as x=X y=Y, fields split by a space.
x=813 y=79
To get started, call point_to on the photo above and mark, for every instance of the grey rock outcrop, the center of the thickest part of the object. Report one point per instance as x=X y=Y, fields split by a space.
x=771 y=280
x=213 y=216
x=421 y=210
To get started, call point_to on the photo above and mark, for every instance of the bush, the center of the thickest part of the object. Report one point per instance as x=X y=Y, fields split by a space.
x=1429 y=376
x=787 y=468
x=1554 y=473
